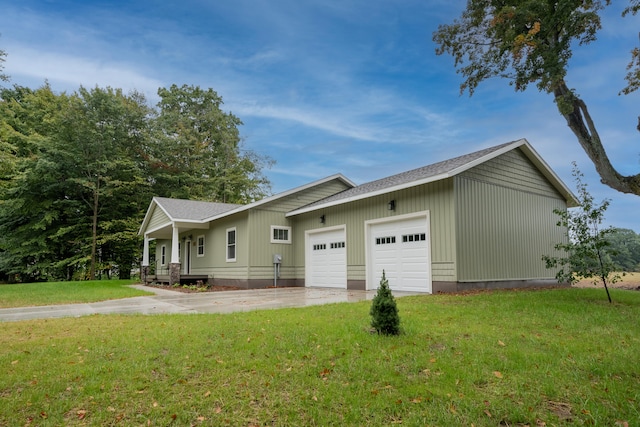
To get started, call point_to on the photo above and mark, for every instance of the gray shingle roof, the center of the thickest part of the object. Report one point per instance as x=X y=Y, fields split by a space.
x=407 y=177
x=192 y=210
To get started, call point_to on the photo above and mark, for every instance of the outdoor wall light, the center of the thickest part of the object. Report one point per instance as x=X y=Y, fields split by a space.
x=321 y=219
x=392 y=205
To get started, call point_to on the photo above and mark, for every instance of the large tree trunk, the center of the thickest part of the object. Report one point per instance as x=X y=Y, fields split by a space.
x=574 y=110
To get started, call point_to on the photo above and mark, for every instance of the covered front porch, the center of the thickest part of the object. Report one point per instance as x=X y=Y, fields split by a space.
x=170 y=268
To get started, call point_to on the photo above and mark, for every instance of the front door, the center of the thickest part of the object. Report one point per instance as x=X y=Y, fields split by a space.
x=187 y=257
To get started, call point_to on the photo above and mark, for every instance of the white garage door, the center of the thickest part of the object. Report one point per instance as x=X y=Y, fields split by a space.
x=326 y=259
x=402 y=249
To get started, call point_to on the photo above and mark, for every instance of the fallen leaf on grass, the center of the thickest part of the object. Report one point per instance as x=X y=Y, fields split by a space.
x=497 y=374
x=207 y=394
x=81 y=414
x=501 y=344
x=15 y=362
x=622 y=423
x=488 y=414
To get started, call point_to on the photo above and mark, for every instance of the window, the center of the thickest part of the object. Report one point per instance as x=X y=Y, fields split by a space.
x=385 y=240
x=414 y=237
x=163 y=255
x=231 y=244
x=280 y=234
x=200 y=251
x=337 y=245
x=320 y=247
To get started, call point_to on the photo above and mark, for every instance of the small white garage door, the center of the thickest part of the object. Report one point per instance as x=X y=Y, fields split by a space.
x=326 y=259
x=402 y=249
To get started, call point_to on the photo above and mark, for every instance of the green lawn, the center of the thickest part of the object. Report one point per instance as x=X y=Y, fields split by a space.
x=49 y=293
x=553 y=357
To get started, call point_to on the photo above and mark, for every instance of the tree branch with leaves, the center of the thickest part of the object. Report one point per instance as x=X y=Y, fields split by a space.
x=531 y=41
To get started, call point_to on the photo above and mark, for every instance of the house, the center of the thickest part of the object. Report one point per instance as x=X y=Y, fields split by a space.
x=481 y=220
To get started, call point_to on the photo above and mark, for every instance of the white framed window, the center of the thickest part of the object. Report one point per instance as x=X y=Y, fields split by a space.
x=163 y=255
x=231 y=244
x=200 y=246
x=280 y=234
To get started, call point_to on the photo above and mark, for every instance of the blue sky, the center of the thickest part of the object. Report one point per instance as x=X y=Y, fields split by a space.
x=322 y=87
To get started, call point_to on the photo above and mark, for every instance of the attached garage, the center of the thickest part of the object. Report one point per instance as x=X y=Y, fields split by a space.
x=401 y=247
x=326 y=258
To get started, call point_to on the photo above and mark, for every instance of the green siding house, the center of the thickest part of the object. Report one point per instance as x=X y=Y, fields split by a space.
x=481 y=220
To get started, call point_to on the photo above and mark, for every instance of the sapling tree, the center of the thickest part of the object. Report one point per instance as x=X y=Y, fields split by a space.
x=384 y=311
x=586 y=253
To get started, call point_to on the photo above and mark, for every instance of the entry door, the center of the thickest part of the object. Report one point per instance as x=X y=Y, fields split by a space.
x=326 y=258
x=401 y=248
x=187 y=257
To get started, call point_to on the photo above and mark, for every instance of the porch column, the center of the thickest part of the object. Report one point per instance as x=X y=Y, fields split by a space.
x=174 y=266
x=145 y=259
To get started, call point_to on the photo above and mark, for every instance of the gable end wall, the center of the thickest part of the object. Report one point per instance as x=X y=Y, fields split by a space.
x=505 y=221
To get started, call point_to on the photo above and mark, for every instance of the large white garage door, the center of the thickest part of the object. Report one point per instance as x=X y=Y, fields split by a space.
x=402 y=249
x=326 y=259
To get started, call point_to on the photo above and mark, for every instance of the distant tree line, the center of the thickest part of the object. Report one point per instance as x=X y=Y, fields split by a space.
x=78 y=170
x=625 y=249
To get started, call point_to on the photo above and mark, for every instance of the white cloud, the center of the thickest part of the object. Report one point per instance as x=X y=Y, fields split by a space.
x=71 y=71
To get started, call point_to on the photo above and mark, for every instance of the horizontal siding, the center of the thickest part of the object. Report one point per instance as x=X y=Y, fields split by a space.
x=512 y=170
x=443 y=271
x=268 y=272
x=356 y=272
x=503 y=233
x=158 y=219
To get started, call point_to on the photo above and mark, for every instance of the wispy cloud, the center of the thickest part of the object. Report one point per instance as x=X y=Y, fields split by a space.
x=74 y=71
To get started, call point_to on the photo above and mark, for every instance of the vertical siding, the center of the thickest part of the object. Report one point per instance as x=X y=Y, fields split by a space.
x=305 y=197
x=503 y=232
x=435 y=197
x=262 y=250
x=214 y=262
x=513 y=170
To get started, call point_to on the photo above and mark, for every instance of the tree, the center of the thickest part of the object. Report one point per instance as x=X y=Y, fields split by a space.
x=3 y=77
x=77 y=189
x=36 y=214
x=587 y=251
x=625 y=245
x=196 y=151
x=78 y=170
x=384 y=311
x=99 y=134
x=530 y=41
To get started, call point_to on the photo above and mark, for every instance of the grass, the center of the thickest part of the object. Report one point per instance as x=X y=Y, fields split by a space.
x=554 y=357
x=50 y=293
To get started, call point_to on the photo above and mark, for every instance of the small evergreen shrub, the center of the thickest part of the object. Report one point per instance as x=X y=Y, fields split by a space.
x=384 y=311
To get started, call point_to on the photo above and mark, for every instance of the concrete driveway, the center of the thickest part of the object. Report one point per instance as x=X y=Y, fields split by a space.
x=168 y=301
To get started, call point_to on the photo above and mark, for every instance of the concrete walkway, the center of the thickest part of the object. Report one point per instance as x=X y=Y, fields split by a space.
x=168 y=301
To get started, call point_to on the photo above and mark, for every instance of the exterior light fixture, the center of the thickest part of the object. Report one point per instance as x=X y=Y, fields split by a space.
x=392 y=205
x=322 y=219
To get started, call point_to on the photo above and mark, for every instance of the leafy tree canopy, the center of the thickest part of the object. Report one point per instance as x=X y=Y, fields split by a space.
x=77 y=172
x=531 y=41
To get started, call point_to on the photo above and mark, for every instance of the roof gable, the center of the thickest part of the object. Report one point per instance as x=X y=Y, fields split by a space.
x=200 y=212
x=437 y=172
